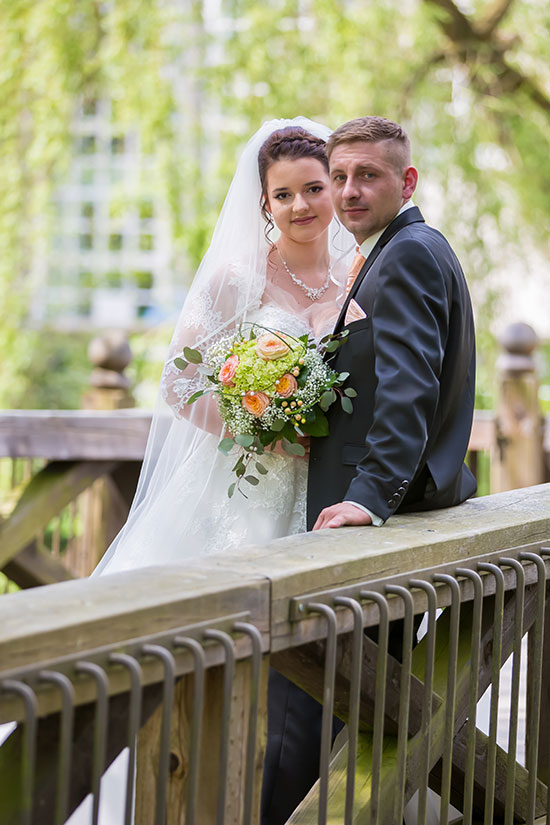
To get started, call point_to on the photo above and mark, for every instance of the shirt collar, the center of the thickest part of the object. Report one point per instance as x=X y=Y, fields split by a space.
x=368 y=245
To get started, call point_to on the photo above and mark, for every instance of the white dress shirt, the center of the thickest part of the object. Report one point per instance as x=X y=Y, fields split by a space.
x=366 y=248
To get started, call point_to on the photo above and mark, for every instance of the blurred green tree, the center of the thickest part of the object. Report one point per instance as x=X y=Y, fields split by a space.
x=470 y=80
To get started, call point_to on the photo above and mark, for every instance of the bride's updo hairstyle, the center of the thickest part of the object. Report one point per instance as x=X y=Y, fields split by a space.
x=292 y=143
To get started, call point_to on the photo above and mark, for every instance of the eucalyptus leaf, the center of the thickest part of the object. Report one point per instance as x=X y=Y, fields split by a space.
x=192 y=355
x=278 y=425
x=347 y=406
x=226 y=445
x=252 y=480
x=350 y=392
x=316 y=425
x=231 y=489
x=244 y=440
x=343 y=376
x=332 y=346
x=261 y=469
x=293 y=449
x=180 y=363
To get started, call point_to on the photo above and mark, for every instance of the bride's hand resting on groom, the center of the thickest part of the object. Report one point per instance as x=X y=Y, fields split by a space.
x=341 y=515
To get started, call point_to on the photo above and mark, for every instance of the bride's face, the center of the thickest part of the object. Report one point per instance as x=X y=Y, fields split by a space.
x=298 y=197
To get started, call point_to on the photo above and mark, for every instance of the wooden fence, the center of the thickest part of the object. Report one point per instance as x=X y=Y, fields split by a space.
x=183 y=654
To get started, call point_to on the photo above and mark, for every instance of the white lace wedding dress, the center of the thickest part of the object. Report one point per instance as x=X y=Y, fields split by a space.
x=202 y=519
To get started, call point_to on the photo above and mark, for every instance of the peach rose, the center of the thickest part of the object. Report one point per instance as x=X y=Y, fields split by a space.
x=227 y=372
x=256 y=403
x=270 y=347
x=287 y=385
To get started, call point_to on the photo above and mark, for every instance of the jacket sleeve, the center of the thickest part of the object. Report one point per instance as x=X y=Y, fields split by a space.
x=410 y=320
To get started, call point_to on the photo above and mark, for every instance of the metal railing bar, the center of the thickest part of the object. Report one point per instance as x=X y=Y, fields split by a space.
x=535 y=683
x=100 y=730
x=404 y=696
x=451 y=694
x=545 y=551
x=298 y=604
x=228 y=676
x=379 y=700
x=515 y=687
x=328 y=707
x=134 y=721
x=65 y=686
x=28 y=756
x=250 y=765
x=495 y=688
x=429 y=589
x=199 y=661
x=167 y=703
x=354 y=700
x=473 y=691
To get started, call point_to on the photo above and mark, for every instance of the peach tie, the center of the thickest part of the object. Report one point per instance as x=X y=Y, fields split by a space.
x=356 y=266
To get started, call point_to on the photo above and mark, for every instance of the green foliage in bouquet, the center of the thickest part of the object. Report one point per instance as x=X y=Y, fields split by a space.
x=270 y=387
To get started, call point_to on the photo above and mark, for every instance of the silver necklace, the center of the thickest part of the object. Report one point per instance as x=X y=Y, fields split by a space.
x=312 y=294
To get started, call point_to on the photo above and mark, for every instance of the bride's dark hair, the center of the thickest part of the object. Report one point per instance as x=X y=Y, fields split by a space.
x=291 y=142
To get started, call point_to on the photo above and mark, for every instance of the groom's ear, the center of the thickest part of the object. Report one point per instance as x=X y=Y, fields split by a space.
x=410 y=179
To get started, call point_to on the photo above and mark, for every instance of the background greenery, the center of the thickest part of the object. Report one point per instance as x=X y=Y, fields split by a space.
x=470 y=80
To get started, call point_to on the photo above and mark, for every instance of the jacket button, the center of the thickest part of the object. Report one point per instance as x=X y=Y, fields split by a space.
x=401 y=490
x=405 y=483
x=390 y=502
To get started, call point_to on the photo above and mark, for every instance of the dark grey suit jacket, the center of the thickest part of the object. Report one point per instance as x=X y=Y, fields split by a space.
x=412 y=362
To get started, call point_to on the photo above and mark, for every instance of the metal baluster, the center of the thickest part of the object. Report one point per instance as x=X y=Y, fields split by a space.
x=229 y=673
x=256 y=640
x=379 y=699
x=134 y=721
x=65 y=741
x=426 y=728
x=28 y=756
x=514 y=699
x=328 y=706
x=354 y=700
x=100 y=729
x=475 y=656
x=495 y=688
x=535 y=683
x=451 y=694
x=404 y=695
x=167 y=703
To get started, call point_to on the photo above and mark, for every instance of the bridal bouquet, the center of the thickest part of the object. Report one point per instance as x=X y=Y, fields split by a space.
x=270 y=387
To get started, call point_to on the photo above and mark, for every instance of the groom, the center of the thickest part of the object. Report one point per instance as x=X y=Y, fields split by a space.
x=410 y=350
x=410 y=353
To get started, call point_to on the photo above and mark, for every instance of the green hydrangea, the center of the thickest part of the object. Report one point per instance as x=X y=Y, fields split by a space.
x=255 y=373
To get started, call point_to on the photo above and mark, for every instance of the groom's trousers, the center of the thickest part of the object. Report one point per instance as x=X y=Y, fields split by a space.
x=293 y=751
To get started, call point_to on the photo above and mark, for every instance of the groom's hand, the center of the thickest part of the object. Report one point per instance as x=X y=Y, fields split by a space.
x=340 y=515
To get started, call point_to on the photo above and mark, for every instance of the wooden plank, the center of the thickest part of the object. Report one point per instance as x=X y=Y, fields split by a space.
x=46 y=494
x=68 y=435
x=34 y=567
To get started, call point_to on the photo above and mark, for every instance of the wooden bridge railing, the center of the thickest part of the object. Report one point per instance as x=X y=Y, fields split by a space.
x=182 y=653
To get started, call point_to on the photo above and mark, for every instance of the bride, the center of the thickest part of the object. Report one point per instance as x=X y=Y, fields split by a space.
x=279 y=258
x=181 y=510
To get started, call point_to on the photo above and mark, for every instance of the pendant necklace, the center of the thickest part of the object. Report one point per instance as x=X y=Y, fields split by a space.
x=312 y=294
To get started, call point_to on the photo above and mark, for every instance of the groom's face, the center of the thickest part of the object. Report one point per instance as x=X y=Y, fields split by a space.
x=368 y=185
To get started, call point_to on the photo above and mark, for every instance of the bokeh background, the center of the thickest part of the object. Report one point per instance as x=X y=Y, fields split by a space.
x=121 y=122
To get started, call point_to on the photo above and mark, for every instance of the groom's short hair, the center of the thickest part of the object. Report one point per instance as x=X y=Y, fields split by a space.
x=373 y=129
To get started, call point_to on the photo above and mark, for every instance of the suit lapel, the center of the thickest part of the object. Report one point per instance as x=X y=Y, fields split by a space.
x=412 y=215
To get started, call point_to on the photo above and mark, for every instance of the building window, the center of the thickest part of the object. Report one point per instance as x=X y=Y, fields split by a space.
x=118 y=145
x=87 y=209
x=146 y=243
x=87 y=177
x=86 y=280
x=86 y=240
x=113 y=279
x=146 y=211
x=143 y=280
x=89 y=107
x=115 y=242
x=87 y=145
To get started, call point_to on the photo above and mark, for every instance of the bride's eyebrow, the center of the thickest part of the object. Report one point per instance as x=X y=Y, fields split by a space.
x=287 y=188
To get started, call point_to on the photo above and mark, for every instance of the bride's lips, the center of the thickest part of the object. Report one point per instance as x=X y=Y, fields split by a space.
x=304 y=221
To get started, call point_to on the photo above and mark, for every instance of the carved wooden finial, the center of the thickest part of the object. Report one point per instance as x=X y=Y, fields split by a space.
x=110 y=354
x=519 y=341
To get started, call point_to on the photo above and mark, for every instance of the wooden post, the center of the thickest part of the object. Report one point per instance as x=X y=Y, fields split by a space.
x=103 y=510
x=148 y=750
x=517 y=460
